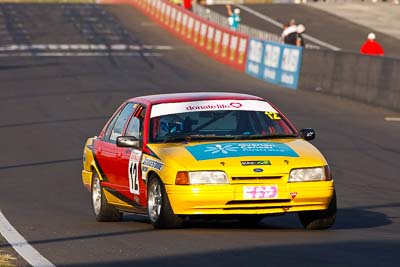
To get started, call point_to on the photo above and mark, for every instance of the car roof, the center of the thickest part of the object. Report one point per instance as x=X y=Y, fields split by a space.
x=186 y=97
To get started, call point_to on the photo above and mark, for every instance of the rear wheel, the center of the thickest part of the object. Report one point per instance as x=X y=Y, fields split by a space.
x=103 y=211
x=319 y=219
x=159 y=209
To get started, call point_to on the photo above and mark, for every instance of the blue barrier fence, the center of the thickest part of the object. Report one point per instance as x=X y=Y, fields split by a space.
x=274 y=62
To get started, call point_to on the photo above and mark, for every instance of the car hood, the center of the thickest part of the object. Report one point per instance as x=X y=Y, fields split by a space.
x=276 y=156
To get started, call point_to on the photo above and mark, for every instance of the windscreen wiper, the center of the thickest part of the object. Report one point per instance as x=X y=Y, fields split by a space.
x=210 y=136
x=268 y=136
x=174 y=138
x=191 y=137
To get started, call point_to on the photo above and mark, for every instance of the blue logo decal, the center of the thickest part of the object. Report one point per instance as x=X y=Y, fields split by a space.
x=244 y=149
x=258 y=170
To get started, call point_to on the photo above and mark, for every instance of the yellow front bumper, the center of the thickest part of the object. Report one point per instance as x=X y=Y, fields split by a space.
x=228 y=199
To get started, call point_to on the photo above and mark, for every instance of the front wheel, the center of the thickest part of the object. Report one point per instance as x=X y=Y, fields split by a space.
x=320 y=219
x=103 y=211
x=159 y=209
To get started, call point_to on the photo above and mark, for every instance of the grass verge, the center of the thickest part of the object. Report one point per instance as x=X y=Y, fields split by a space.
x=6 y=259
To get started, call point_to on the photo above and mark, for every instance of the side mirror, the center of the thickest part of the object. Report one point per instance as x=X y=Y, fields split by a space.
x=127 y=141
x=307 y=134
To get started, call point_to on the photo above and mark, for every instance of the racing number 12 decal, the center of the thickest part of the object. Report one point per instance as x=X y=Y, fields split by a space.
x=273 y=116
x=133 y=172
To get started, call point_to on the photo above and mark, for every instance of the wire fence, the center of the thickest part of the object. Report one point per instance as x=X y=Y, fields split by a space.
x=219 y=19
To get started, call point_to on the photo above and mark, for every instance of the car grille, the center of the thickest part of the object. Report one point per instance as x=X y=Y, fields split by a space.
x=247 y=178
x=257 y=204
x=263 y=201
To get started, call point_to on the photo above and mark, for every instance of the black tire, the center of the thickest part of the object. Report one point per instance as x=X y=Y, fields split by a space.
x=158 y=207
x=103 y=211
x=320 y=219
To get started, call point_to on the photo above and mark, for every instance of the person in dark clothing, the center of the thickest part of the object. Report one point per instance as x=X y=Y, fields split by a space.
x=295 y=37
x=289 y=33
x=291 y=38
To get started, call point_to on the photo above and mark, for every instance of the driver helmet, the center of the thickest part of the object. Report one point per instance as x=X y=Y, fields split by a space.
x=170 y=124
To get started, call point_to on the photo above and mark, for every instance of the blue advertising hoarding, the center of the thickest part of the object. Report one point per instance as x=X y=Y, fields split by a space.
x=274 y=62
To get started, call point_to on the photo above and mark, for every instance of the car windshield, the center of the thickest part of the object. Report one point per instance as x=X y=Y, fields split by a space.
x=219 y=125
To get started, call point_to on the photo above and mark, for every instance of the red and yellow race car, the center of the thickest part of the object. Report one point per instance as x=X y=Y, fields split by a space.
x=174 y=156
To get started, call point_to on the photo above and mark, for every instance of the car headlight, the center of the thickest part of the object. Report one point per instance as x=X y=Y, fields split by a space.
x=310 y=174
x=201 y=177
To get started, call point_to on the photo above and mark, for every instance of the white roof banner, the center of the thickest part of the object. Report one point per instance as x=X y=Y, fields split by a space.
x=210 y=105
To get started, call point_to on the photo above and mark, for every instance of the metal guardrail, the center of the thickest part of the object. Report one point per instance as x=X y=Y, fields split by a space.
x=219 y=19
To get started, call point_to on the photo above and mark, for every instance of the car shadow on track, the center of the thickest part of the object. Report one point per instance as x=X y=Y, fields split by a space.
x=364 y=217
x=27 y=66
x=347 y=218
x=84 y=237
x=340 y=253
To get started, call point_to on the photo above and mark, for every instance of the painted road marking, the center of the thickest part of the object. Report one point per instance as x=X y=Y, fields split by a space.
x=280 y=25
x=91 y=47
x=81 y=54
x=82 y=50
x=392 y=119
x=20 y=245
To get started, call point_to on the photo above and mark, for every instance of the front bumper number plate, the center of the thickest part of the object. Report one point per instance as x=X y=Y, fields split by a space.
x=260 y=192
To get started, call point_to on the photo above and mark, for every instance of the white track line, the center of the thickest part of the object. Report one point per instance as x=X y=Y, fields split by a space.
x=392 y=119
x=21 y=246
x=280 y=25
x=89 y=47
x=80 y=54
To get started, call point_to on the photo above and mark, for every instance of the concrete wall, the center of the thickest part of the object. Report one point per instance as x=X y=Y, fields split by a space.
x=372 y=80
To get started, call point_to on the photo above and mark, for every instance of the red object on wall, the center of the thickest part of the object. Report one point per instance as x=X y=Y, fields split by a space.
x=372 y=47
x=187 y=4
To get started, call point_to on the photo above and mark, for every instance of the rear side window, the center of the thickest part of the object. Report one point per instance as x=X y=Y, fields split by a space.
x=117 y=124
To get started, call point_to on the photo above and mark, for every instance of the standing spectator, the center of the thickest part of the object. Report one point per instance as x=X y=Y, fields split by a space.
x=289 y=34
x=371 y=47
x=299 y=38
x=234 y=17
x=176 y=2
x=283 y=34
x=205 y=2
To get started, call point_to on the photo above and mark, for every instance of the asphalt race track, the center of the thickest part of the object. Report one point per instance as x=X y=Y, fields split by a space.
x=53 y=97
